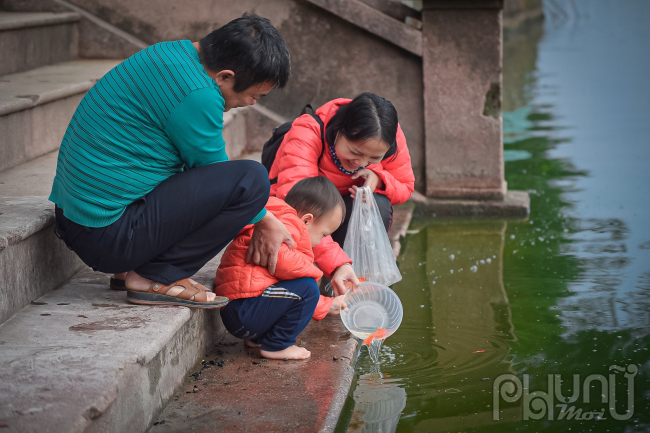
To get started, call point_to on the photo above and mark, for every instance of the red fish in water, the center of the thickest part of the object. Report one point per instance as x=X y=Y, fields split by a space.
x=379 y=334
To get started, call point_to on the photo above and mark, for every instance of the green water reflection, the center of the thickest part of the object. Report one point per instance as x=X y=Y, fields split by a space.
x=566 y=292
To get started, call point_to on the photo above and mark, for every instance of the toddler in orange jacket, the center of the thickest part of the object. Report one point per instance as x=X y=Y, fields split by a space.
x=269 y=311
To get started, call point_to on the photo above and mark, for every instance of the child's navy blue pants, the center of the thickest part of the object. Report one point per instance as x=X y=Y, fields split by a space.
x=276 y=317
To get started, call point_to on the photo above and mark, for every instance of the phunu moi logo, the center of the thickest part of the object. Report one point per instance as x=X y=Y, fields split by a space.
x=540 y=404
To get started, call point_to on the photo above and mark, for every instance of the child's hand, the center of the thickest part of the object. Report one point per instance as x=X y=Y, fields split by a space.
x=343 y=275
x=337 y=305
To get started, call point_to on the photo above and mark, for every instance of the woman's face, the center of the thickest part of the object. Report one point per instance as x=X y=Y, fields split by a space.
x=358 y=154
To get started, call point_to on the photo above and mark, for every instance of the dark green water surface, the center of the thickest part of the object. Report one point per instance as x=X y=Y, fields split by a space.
x=566 y=292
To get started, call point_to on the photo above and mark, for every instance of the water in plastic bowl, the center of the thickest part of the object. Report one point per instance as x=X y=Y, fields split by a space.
x=371 y=309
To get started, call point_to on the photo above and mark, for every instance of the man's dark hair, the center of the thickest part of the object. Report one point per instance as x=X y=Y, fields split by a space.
x=315 y=195
x=366 y=116
x=250 y=47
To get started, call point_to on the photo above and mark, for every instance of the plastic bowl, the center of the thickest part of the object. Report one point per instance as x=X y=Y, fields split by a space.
x=369 y=307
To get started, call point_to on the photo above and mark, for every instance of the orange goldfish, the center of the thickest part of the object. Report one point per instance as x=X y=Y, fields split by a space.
x=348 y=284
x=379 y=334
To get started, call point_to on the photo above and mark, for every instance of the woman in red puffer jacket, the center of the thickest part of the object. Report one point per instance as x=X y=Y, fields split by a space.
x=364 y=146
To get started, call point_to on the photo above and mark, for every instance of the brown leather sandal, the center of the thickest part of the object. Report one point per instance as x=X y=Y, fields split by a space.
x=193 y=296
x=117 y=284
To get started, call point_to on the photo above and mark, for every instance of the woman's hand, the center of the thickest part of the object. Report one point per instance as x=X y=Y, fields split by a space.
x=371 y=180
x=268 y=235
x=344 y=274
x=338 y=304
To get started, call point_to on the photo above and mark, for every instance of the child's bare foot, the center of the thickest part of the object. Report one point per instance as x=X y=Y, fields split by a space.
x=249 y=343
x=291 y=352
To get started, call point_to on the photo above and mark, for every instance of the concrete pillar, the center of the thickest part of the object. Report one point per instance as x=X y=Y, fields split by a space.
x=462 y=61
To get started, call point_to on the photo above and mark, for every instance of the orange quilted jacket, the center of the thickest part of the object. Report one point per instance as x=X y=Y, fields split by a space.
x=237 y=279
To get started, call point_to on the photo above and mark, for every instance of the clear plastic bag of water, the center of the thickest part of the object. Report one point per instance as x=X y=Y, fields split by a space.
x=367 y=242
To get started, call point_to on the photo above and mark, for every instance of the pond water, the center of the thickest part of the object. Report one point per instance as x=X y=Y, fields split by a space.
x=566 y=292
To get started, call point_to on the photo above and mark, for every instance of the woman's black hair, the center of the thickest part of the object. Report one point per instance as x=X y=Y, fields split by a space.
x=250 y=47
x=366 y=116
x=315 y=195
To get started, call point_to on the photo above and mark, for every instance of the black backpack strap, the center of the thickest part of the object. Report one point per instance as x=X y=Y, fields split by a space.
x=320 y=123
x=272 y=146
x=304 y=110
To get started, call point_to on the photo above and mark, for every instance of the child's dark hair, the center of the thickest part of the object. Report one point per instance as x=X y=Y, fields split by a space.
x=315 y=195
x=252 y=48
x=366 y=116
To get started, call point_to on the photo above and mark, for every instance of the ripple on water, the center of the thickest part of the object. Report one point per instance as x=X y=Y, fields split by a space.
x=442 y=358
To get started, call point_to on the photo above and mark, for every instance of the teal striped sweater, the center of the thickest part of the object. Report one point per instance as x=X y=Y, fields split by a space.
x=152 y=116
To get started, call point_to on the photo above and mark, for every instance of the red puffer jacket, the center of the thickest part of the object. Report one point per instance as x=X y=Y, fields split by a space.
x=297 y=158
x=237 y=279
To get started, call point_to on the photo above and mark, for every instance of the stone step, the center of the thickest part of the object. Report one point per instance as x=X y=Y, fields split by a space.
x=246 y=129
x=36 y=107
x=32 y=39
x=33 y=261
x=82 y=359
x=251 y=394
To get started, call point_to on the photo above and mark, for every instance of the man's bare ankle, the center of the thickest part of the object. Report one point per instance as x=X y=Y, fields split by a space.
x=135 y=282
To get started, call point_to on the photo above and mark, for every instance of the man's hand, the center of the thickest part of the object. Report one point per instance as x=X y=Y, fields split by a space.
x=344 y=274
x=268 y=235
x=371 y=180
x=338 y=304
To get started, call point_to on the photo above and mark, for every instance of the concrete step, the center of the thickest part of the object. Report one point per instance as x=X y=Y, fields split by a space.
x=247 y=129
x=250 y=394
x=36 y=107
x=33 y=261
x=82 y=359
x=32 y=39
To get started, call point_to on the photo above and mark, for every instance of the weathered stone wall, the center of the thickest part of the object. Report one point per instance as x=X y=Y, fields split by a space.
x=330 y=57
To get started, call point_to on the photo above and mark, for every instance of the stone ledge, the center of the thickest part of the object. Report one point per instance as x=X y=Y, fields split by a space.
x=25 y=90
x=462 y=4
x=251 y=394
x=134 y=44
x=375 y=22
x=516 y=204
x=82 y=359
x=402 y=215
x=24 y=207
x=32 y=260
x=22 y=20
x=394 y=9
x=247 y=129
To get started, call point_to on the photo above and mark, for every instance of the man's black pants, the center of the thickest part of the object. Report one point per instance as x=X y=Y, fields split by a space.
x=178 y=227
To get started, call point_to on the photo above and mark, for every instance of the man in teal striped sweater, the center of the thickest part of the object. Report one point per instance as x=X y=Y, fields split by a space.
x=144 y=188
